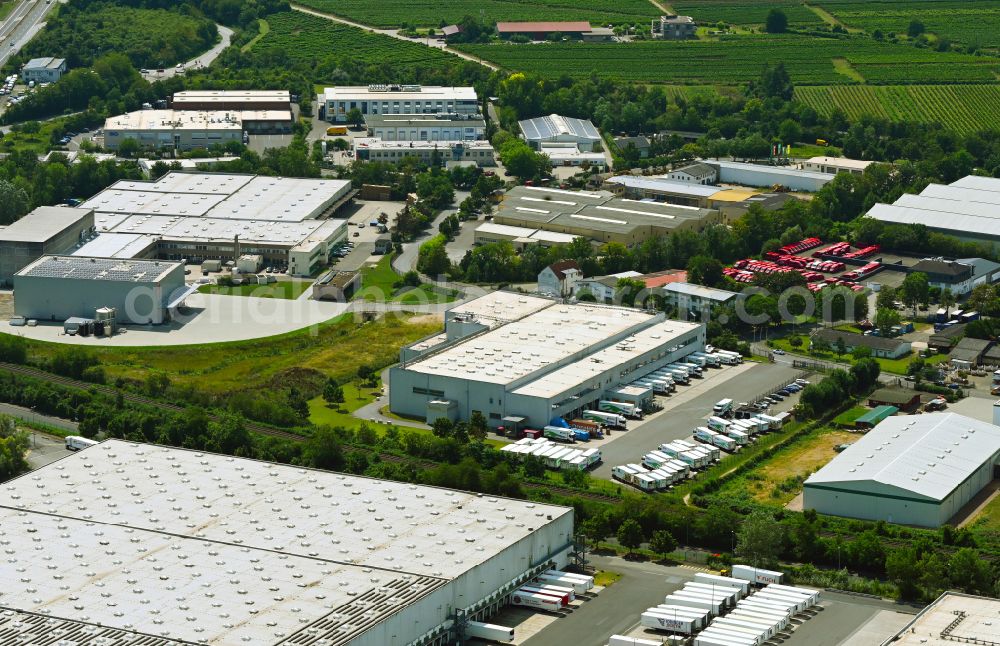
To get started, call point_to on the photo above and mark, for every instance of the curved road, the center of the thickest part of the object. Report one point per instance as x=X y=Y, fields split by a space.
x=203 y=60
x=393 y=33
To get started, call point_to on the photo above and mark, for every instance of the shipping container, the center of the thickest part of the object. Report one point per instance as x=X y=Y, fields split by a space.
x=491 y=632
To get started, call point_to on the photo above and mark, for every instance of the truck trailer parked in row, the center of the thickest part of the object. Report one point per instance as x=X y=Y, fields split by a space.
x=611 y=420
x=491 y=632
x=621 y=408
x=756 y=576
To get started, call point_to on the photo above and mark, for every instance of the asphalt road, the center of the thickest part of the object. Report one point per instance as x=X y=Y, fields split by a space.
x=408 y=259
x=21 y=25
x=690 y=406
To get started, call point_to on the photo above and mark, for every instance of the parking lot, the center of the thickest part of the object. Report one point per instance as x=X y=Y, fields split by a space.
x=691 y=406
x=845 y=620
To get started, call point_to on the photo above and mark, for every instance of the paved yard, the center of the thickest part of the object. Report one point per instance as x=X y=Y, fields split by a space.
x=210 y=319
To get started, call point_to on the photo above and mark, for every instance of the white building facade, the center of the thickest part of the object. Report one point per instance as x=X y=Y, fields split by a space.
x=913 y=470
x=536 y=359
x=398 y=99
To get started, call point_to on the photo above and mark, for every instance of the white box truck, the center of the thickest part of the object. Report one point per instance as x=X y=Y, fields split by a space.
x=718 y=424
x=620 y=408
x=612 y=420
x=738 y=437
x=491 y=632
x=723 y=406
x=706 y=435
x=559 y=434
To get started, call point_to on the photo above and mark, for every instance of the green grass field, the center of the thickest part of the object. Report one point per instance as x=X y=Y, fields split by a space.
x=895 y=366
x=970 y=22
x=377 y=285
x=289 y=289
x=393 y=13
x=354 y=398
x=738 y=60
x=335 y=349
x=311 y=40
x=963 y=108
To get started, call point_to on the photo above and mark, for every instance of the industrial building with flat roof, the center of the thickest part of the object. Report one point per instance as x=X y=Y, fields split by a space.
x=598 y=215
x=45 y=230
x=731 y=203
x=913 y=470
x=55 y=288
x=535 y=359
x=765 y=176
x=480 y=152
x=953 y=618
x=338 y=101
x=416 y=127
x=166 y=546
x=836 y=165
x=223 y=216
x=177 y=129
x=520 y=237
x=966 y=209
x=237 y=100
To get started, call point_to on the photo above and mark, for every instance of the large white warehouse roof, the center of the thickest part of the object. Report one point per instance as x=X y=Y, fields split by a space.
x=204 y=548
x=510 y=352
x=928 y=455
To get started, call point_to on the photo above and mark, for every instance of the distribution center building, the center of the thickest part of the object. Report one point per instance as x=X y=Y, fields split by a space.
x=55 y=288
x=46 y=230
x=968 y=209
x=533 y=358
x=913 y=470
x=953 y=618
x=431 y=127
x=597 y=215
x=220 y=216
x=164 y=546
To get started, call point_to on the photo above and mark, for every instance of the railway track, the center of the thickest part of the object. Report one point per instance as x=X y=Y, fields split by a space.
x=254 y=427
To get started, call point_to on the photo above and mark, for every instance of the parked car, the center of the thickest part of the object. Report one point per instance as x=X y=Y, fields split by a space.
x=779 y=351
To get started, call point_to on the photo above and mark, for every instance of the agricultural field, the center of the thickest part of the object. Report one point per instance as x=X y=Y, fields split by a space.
x=311 y=40
x=735 y=61
x=746 y=12
x=969 y=22
x=434 y=13
x=963 y=108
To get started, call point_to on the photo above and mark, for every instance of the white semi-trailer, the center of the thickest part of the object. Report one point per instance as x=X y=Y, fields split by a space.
x=491 y=632
x=537 y=601
x=614 y=420
x=622 y=640
x=715 y=579
x=757 y=576
x=668 y=621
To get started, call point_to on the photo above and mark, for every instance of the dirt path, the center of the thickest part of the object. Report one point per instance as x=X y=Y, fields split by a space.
x=663 y=6
x=392 y=33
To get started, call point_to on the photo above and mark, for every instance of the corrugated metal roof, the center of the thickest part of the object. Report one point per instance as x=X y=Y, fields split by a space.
x=554 y=125
x=969 y=224
x=979 y=183
x=929 y=455
x=700 y=291
x=665 y=185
